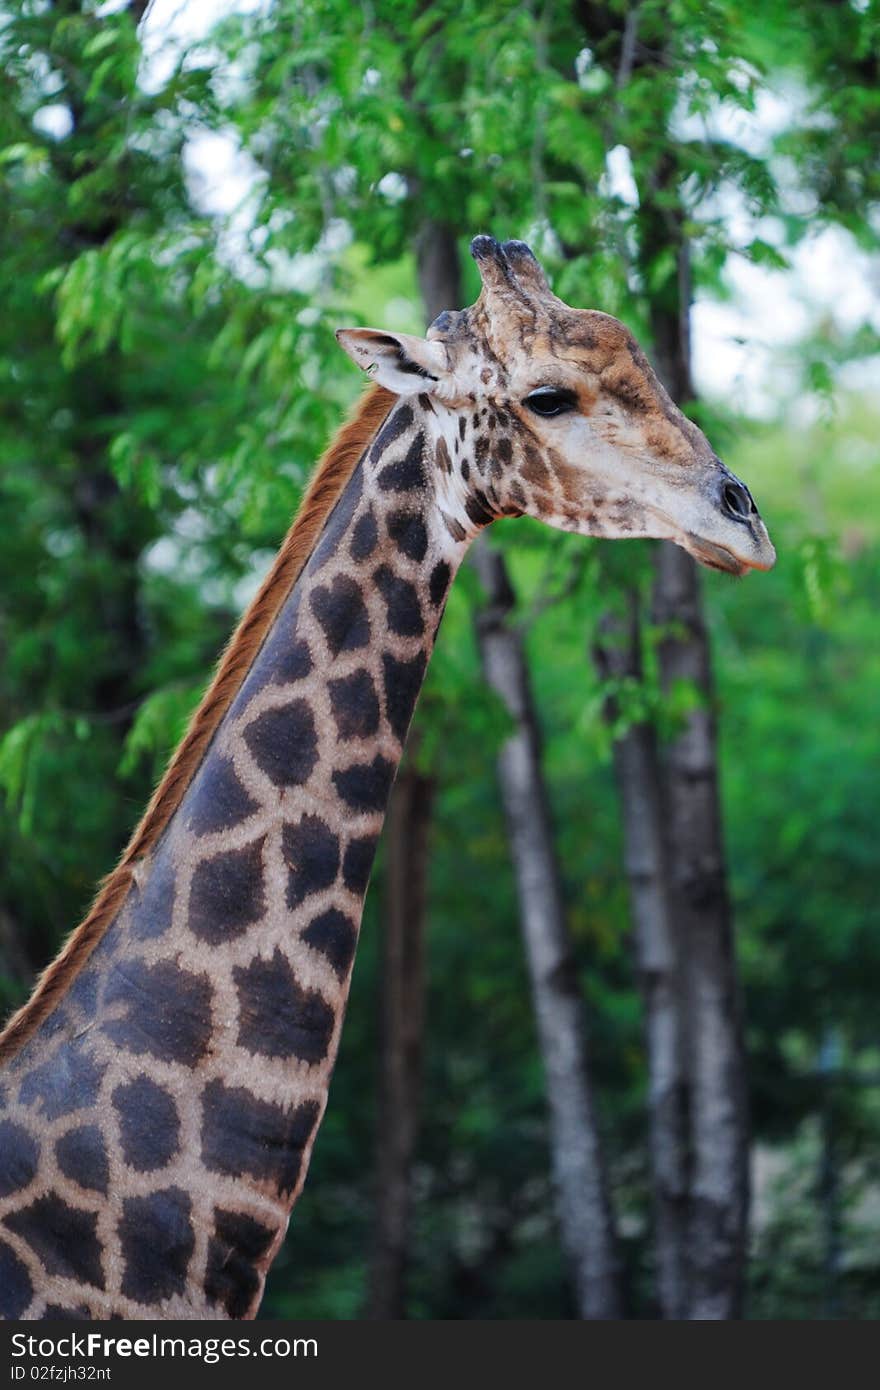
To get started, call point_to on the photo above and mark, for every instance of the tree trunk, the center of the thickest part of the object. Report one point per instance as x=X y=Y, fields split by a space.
x=719 y=1121
x=583 y=1201
x=617 y=655
x=438 y=268
x=716 y=1064
x=403 y=994
x=828 y=1185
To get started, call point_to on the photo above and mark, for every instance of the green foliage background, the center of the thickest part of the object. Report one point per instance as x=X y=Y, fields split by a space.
x=168 y=376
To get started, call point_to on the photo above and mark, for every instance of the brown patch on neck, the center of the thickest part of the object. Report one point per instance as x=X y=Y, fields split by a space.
x=328 y=481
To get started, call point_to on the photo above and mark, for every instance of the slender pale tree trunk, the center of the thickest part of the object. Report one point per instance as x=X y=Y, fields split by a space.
x=402 y=996
x=583 y=1200
x=617 y=655
x=716 y=1062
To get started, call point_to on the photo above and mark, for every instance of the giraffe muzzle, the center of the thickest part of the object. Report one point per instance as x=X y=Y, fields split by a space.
x=737 y=541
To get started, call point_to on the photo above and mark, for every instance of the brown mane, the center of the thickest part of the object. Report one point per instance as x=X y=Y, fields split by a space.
x=330 y=477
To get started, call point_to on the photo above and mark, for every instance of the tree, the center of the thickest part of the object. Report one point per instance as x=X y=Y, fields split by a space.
x=402 y=993
x=648 y=62
x=658 y=947
x=586 y=1222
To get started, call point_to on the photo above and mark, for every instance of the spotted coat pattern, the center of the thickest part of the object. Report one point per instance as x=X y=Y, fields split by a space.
x=157 y=1128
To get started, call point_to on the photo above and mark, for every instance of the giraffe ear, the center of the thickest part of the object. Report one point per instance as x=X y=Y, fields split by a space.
x=401 y=363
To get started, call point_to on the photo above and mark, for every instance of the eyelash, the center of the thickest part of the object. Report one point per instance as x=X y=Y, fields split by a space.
x=559 y=399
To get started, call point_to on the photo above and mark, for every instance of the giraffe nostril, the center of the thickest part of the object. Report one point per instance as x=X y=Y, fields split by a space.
x=736 y=500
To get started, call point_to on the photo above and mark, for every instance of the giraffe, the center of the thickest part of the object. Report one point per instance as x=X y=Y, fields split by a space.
x=161 y=1091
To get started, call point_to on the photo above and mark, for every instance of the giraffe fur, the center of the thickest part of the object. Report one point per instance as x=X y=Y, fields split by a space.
x=161 y=1093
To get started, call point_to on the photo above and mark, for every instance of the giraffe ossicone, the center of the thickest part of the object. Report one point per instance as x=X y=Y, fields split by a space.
x=161 y=1091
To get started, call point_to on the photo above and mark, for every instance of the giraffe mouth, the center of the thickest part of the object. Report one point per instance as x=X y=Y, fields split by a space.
x=714 y=555
x=718 y=557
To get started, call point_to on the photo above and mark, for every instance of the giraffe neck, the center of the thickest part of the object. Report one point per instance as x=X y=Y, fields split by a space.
x=156 y=1129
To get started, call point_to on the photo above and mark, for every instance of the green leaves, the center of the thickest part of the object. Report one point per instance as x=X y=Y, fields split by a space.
x=158 y=727
x=22 y=153
x=95 y=297
x=760 y=252
x=824 y=576
x=22 y=748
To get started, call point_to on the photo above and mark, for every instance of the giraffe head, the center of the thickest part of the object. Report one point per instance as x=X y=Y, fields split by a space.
x=569 y=422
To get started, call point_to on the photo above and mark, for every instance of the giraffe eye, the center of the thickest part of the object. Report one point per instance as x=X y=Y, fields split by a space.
x=550 y=400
